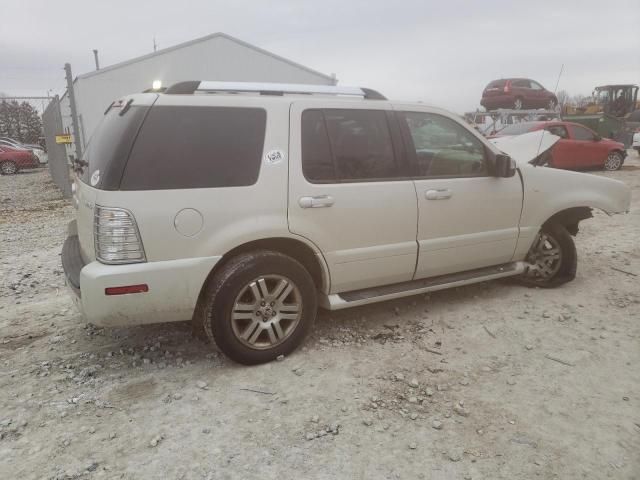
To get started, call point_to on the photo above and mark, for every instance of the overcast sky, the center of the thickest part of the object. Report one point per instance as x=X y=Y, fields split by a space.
x=439 y=52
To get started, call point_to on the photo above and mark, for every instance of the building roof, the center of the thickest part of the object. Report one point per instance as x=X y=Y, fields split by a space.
x=199 y=40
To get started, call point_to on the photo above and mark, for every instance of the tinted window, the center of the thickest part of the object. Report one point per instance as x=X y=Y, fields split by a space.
x=317 y=161
x=558 y=130
x=109 y=146
x=444 y=147
x=520 y=83
x=536 y=86
x=496 y=84
x=581 y=133
x=359 y=146
x=196 y=147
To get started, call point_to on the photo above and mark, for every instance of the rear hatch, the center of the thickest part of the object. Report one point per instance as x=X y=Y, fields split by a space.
x=104 y=160
x=494 y=88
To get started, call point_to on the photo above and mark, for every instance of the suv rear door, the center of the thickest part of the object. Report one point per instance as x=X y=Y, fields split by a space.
x=467 y=219
x=350 y=193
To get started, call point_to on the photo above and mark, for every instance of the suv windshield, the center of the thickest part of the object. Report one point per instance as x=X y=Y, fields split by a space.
x=109 y=147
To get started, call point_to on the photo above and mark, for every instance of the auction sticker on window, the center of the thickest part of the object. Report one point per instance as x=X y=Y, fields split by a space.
x=273 y=157
x=95 y=178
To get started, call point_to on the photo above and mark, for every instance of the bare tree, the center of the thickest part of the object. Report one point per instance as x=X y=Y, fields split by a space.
x=563 y=98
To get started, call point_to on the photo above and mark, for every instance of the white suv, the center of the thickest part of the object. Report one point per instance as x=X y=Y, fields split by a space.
x=244 y=207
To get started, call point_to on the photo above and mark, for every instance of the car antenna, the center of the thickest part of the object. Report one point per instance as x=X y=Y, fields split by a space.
x=555 y=93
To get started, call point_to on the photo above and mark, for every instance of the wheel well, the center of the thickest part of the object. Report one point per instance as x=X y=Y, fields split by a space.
x=570 y=218
x=288 y=246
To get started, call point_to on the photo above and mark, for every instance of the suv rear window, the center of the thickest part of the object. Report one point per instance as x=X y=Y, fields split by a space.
x=109 y=147
x=196 y=147
x=496 y=84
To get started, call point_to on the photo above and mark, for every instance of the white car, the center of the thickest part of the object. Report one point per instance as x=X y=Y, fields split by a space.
x=636 y=141
x=244 y=207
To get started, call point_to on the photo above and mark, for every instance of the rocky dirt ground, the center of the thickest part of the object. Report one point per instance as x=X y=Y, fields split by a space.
x=490 y=381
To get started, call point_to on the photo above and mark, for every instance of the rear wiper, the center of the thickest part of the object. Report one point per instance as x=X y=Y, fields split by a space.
x=126 y=107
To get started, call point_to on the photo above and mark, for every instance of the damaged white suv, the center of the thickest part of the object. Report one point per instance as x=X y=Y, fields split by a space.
x=244 y=207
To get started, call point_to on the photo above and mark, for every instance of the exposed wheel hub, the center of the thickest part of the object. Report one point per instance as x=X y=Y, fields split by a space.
x=544 y=258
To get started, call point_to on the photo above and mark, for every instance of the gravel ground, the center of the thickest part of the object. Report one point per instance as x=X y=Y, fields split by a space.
x=483 y=382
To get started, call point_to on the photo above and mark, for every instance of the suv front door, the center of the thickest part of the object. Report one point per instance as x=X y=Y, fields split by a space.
x=350 y=192
x=467 y=219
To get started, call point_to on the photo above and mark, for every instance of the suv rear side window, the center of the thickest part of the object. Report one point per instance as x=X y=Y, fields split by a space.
x=196 y=147
x=344 y=145
x=444 y=148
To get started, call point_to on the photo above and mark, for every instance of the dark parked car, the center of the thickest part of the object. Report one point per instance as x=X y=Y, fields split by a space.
x=578 y=147
x=13 y=159
x=517 y=93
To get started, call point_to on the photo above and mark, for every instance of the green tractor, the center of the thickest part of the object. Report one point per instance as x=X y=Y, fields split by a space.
x=611 y=112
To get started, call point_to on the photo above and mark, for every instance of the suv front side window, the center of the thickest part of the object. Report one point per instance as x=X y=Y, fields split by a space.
x=536 y=86
x=346 y=145
x=443 y=148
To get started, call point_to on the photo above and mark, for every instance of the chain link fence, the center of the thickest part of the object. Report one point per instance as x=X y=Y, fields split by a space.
x=57 y=153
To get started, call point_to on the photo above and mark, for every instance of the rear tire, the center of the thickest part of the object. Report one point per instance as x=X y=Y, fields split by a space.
x=259 y=306
x=518 y=103
x=553 y=258
x=8 y=167
x=614 y=161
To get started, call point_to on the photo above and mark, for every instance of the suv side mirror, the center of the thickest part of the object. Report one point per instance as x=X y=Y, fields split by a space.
x=504 y=166
x=597 y=138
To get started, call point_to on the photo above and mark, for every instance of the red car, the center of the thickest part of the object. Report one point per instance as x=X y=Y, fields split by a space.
x=14 y=159
x=517 y=93
x=578 y=147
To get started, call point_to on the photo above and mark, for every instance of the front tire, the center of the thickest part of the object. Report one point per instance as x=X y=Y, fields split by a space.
x=553 y=258
x=613 y=162
x=259 y=306
x=8 y=167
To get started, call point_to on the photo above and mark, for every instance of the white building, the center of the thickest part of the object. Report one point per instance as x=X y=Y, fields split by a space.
x=214 y=57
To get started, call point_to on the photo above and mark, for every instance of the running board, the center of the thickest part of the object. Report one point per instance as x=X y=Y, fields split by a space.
x=355 y=298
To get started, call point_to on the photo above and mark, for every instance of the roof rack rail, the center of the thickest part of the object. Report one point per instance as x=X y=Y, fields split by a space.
x=193 y=86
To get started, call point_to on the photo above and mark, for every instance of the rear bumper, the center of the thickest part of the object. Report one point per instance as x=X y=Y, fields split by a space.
x=174 y=287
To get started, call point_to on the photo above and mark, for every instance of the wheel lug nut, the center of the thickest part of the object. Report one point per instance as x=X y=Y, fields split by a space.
x=273 y=303
x=274 y=313
x=262 y=303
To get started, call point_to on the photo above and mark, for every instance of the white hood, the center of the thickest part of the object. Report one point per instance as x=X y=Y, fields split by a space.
x=526 y=147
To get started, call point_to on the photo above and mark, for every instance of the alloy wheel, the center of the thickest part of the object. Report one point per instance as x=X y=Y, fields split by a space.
x=517 y=104
x=613 y=162
x=266 y=312
x=8 y=168
x=545 y=258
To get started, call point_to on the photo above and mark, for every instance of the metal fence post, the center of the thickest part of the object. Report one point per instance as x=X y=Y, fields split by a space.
x=74 y=111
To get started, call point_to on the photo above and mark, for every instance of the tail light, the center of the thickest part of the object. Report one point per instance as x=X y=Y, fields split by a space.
x=116 y=236
x=507 y=86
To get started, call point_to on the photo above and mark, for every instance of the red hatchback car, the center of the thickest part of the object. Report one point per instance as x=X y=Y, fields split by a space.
x=578 y=147
x=13 y=159
x=517 y=93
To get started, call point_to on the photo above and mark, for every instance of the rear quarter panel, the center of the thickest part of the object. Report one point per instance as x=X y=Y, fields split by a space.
x=231 y=216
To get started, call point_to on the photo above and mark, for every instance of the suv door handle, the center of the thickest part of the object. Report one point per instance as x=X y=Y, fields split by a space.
x=440 y=194
x=320 y=201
